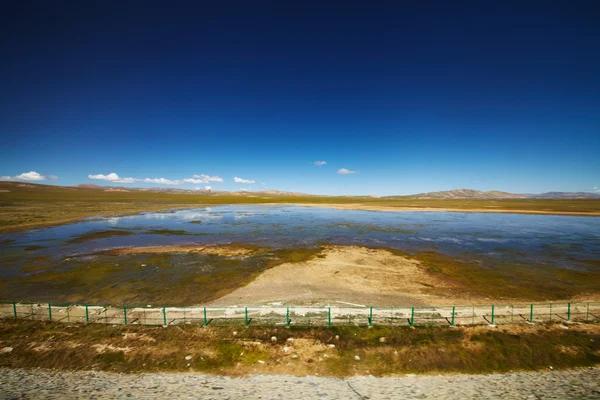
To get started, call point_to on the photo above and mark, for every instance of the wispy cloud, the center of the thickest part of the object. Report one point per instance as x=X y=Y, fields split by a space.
x=208 y=178
x=320 y=163
x=346 y=171
x=196 y=179
x=240 y=180
x=596 y=189
x=29 y=176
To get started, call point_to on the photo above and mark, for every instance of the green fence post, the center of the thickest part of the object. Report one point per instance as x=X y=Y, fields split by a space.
x=493 y=314
x=550 y=312
x=125 y=315
x=50 y=311
x=87 y=314
x=15 y=309
x=531 y=313
x=246 y=315
x=164 y=316
x=412 y=317
x=204 y=316
x=568 y=311
x=329 y=317
x=287 y=317
x=453 y=309
x=371 y=317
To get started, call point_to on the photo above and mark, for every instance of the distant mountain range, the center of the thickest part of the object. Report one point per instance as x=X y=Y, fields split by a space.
x=188 y=191
x=7 y=186
x=498 y=195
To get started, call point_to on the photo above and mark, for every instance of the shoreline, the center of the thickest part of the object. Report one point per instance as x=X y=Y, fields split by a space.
x=364 y=207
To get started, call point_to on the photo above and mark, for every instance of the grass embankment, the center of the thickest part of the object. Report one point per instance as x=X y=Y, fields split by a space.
x=509 y=280
x=167 y=278
x=298 y=351
x=27 y=206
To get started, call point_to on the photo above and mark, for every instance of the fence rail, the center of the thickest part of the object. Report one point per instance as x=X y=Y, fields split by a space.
x=305 y=316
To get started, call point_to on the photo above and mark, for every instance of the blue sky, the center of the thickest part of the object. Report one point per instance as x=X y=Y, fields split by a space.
x=410 y=98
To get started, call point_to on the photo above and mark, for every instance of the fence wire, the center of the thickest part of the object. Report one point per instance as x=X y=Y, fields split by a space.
x=304 y=316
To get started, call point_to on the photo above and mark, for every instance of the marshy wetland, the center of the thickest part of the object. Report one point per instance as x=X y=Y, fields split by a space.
x=195 y=256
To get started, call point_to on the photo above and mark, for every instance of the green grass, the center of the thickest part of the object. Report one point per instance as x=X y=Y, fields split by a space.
x=218 y=350
x=27 y=206
x=176 y=279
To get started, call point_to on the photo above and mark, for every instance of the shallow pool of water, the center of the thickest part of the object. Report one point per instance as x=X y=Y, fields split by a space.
x=561 y=241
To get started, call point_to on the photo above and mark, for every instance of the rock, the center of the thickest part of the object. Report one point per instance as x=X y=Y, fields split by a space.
x=564 y=326
x=290 y=339
x=286 y=349
x=331 y=346
x=234 y=333
x=188 y=357
x=143 y=265
x=261 y=362
x=357 y=358
x=295 y=356
x=382 y=340
x=5 y=350
x=273 y=339
x=337 y=337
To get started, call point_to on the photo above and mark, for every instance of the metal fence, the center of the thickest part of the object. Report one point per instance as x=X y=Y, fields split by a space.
x=305 y=316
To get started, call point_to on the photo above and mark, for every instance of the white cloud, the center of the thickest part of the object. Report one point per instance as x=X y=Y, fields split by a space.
x=345 y=171
x=240 y=180
x=596 y=189
x=196 y=179
x=208 y=178
x=320 y=163
x=112 y=177
x=29 y=176
x=208 y=188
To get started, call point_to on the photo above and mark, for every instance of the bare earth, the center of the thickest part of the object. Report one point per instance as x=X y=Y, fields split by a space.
x=348 y=275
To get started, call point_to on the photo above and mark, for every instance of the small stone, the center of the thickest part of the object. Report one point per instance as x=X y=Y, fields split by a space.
x=188 y=365
x=273 y=339
x=295 y=356
x=331 y=346
x=290 y=339
x=357 y=358
x=382 y=340
x=188 y=358
x=261 y=362
x=551 y=367
x=337 y=337
x=143 y=265
x=5 y=350
x=564 y=326
x=234 y=333
x=286 y=349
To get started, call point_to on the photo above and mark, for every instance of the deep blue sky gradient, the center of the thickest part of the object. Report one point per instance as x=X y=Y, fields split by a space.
x=415 y=98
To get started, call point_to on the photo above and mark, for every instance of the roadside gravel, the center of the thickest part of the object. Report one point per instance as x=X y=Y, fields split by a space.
x=44 y=384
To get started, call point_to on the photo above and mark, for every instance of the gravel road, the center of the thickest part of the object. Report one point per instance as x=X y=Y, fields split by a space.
x=42 y=384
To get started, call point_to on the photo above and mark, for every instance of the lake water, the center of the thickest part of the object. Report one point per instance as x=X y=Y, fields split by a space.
x=560 y=241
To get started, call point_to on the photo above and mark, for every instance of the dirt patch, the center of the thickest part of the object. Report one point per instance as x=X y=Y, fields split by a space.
x=349 y=275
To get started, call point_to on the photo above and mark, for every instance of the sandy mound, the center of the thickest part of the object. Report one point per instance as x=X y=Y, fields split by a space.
x=345 y=274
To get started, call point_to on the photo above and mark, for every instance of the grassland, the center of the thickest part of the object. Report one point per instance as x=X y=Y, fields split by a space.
x=165 y=278
x=25 y=206
x=299 y=351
